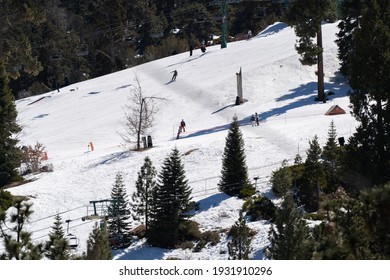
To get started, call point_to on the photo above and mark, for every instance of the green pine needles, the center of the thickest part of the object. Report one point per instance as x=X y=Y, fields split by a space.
x=171 y=202
x=10 y=154
x=234 y=180
x=119 y=214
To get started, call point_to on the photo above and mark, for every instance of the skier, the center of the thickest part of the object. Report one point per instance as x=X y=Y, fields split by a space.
x=257 y=119
x=191 y=49
x=183 y=125
x=174 y=75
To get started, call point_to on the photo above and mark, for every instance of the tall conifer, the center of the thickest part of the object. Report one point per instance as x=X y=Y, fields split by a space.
x=10 y=154
x=369 y=78
x=57 y=248
x=289 y=236
x=119 y=214
x=171 y=201
x=306 y=16
x=331 y=155
x=314 y=178
x=234 y=177
x=142 y=199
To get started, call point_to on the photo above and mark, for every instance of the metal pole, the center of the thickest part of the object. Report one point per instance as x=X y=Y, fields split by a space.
x=224 y=24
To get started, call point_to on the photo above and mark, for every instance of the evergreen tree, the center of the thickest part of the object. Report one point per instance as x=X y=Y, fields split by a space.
x=282 y=179
x=171 y=201
x=314 y=178
x=19 y=20
x=234 y=179
x=351 y=10
x=306 y=17
x=289 y=236
x=376 y=214
x=142 y=199
x=18 y=245
x=344 y=236
x=355 y=237
x=119 y=214
x=6 y=200
x=240 y=245
x=331 y=156
x=10 y=154
x=57 y=248
x=98 y=247
x=369 y=78
x=197 y=22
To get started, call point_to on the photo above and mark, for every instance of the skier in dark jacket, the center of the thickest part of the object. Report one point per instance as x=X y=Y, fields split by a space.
x=174 y=75
x=183 y=125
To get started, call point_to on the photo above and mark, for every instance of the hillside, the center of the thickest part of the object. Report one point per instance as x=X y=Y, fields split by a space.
x=275 y=84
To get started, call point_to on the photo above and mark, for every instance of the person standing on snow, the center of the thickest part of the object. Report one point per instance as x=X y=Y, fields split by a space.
x=257 y=119
x=183 y=125
x=253 y=119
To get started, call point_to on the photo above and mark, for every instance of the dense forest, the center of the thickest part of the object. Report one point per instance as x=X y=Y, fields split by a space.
x=49 y=44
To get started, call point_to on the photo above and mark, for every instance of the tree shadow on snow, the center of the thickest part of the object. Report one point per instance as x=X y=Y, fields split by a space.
x=272 y=29
x=191 y=58
x=111 y=158
x=215 y=129
x=211 y=201
x=122 y=87
x=307 y=94
x=144 y=252
x=219 y=110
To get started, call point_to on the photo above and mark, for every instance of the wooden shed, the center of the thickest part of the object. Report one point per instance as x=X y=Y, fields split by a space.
x=335 y=110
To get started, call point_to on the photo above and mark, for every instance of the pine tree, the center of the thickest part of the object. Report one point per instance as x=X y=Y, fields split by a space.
x=16 y=45
x=289 y=236
x=282 y=179
x=306 y=17
x=10 y=154
x=351 y=10
x=98 y=246
x=142 y=199
x=376 y=214
x=331 y=156
x=119 y=214
x=234 y=179
x=6 y=200
x=314 y=180
x=171 y=201
x=18 y=245
x=57 y=248
x=344 y=236
x=240 y=245
x=369 y=78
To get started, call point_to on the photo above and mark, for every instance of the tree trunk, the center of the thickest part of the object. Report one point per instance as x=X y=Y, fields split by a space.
x=381 y=139
x=320 y=65
x=140 y=125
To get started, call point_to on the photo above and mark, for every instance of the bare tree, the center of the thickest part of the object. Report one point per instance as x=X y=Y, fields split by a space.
x=139 y=114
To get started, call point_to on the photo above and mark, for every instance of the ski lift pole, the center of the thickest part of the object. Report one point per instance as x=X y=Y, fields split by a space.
x=223 y=4
x=224 y=24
